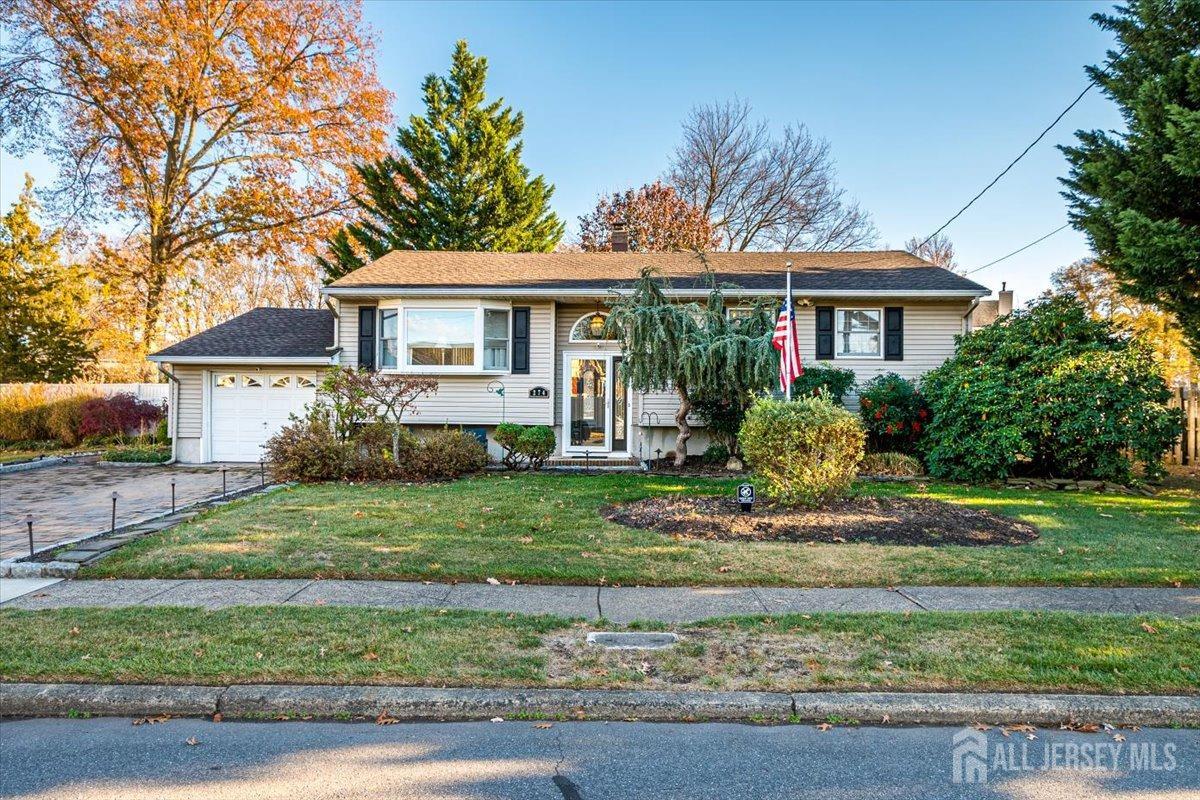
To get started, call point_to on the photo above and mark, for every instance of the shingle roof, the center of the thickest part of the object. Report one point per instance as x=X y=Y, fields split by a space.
x=885 y=270
x=262 y=333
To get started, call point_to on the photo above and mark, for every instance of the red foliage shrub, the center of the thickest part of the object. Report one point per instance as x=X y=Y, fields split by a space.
x=117 y=415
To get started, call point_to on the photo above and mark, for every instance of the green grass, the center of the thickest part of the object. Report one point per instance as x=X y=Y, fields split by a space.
x=983 y=651
x=25 y=453
x=548 y=529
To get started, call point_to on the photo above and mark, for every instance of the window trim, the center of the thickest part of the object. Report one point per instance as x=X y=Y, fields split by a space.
x=837 y=334
x=478 y=308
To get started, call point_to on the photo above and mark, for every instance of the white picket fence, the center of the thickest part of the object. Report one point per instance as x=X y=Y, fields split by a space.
x=156 y=392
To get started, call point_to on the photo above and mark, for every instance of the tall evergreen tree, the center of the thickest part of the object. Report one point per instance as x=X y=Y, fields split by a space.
x=1136 y=193
x=457 y=182
x=43 y=335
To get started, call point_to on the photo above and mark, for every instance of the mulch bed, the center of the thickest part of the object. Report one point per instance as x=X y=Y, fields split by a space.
x=883 y=520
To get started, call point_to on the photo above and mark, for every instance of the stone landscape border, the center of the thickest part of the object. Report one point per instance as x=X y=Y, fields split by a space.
x=429 y=704
x=101 y=543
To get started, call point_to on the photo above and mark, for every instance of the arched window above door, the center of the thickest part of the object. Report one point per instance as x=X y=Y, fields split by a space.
x=590 y=328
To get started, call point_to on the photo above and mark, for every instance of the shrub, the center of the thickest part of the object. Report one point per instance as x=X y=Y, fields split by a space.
x=307 y=450
x=371 y=452
x=723 y=419
x=139 y=454
x=716 y=454
x=891 y=463
x=64 y=419
x=23 y=414
x=1048 y=391
x=536 y=444
x=507 y=435
x=444 y=455
x=818 y=379
x=893 y=412
x=805 y=451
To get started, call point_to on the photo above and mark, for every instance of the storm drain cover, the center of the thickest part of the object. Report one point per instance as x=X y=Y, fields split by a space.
x=631 y=641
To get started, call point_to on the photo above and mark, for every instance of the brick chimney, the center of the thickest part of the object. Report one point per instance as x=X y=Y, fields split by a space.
x=620 y=238
x=1005 y=304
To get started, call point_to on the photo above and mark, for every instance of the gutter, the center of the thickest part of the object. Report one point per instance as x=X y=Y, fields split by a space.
x=498 y=291
x=312 y=361
x=172 y=413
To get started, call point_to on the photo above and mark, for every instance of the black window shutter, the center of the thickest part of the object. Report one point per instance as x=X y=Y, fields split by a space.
x=366 y=337
x=520 y=340
x=893 y=333
x=824 y=332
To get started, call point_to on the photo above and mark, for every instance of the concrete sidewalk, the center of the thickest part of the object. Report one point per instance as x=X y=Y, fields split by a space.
x=616 y=604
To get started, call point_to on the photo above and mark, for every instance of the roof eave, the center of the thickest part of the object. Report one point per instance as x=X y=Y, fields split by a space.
x=315 y=361
x=509 y=291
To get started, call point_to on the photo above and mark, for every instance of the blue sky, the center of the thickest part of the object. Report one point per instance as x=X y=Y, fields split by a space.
x=923 y=103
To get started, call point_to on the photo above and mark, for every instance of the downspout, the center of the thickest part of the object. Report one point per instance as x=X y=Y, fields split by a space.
x=172 y=414
x=967 y=316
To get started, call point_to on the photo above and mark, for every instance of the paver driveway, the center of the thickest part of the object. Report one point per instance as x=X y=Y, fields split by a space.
x=75 y=499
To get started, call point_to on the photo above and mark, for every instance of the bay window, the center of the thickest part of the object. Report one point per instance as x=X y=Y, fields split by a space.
x=445 y=339
x=858 y=332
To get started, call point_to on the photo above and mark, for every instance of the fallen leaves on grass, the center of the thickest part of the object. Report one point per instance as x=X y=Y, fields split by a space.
x=370 y=656
x=1148 y=628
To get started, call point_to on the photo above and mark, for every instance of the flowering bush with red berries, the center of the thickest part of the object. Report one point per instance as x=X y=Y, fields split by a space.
x=893 y=412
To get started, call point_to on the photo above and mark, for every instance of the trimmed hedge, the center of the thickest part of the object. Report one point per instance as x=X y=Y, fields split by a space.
x=805 y=451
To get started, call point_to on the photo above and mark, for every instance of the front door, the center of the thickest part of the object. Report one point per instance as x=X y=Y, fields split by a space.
x=595 y=411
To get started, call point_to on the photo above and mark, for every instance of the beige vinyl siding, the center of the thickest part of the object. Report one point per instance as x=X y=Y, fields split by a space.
x=348 y=333
x=190 y=413
x=465 y=400
x=929 y=331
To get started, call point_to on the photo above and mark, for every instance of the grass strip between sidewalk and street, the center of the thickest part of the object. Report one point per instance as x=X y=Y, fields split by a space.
x=549 y=528
x=993 y=651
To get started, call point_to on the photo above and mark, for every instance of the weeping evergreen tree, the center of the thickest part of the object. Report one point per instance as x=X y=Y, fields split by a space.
x=692 y=349
x=456 y=183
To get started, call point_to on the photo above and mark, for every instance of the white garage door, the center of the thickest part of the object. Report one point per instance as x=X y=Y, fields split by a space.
x=248 y=408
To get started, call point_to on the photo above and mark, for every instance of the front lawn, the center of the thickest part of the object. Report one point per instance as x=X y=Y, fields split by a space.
x=948 y=651
x=546 y=528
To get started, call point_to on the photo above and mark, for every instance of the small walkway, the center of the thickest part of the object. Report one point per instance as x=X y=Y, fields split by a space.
x=616 y=604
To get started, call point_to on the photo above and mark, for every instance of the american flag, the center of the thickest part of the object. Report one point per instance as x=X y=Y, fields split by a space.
x=787 y=341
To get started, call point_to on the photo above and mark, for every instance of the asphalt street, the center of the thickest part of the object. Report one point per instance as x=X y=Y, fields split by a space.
x=188 y=758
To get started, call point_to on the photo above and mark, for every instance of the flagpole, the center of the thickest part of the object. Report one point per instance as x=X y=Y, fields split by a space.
x=791 y=315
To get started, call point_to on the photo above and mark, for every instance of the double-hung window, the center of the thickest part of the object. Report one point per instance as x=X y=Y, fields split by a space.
x=389 y=338
x=495 y=339
x=445 y=339
x=859 y=332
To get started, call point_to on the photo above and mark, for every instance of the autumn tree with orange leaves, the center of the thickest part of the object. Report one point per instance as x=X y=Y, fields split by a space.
x=655 y=217
x=202 y=130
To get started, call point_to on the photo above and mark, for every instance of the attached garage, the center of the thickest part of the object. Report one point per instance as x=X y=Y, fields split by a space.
x=236 y=385
x=248 y=408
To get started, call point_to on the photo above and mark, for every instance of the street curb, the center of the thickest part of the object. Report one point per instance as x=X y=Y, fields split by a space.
x=427 y=704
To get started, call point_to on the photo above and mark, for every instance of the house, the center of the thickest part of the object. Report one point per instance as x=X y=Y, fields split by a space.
x=988 y=311
x=518 y=337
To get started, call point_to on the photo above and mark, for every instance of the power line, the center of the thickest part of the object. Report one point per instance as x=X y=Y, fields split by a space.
x=1019 y=249
x=1011 y=164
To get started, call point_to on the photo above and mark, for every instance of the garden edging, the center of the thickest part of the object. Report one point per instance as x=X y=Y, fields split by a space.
x=29 y=566
x=428 y=704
